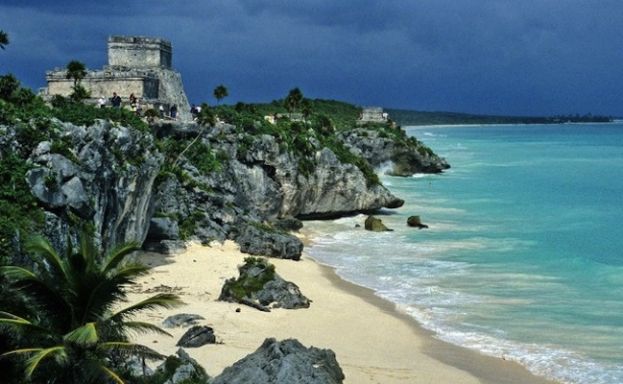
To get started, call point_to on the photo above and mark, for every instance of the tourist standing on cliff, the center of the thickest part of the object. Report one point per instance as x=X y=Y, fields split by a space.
x=101 y=102
x=173 y=111
x=115 y=100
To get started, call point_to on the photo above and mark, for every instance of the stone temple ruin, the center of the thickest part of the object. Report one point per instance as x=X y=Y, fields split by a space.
x=136 y=65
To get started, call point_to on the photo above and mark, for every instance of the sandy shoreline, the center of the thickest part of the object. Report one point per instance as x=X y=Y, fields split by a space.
x=373 y=342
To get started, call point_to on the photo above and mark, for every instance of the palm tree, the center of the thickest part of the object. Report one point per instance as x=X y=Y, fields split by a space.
x=306 y=108
x=220 y=92
x=76 y=70
x=293 y=101
x=72 y=331
x=4 y=39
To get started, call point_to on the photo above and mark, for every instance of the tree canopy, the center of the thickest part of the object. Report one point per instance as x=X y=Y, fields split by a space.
x=76 y=70
x=4 y=39
x=70 y=326
x=294 y=99
x=220 y=92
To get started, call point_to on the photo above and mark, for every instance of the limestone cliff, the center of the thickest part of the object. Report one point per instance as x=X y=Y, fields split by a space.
x=258 y=181
x=117 y=179
x=104 y=177
x=392 y=147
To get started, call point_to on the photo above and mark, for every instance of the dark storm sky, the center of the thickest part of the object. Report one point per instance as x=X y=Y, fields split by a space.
x=527 y=57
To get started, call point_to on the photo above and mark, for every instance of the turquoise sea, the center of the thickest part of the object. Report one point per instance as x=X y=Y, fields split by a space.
x=524 y=255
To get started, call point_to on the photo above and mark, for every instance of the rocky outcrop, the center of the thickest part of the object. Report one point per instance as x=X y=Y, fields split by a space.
x=260 y=287
x=375 y=224
x=416 y=222
x=405 y=156
x=180 y=368
x=259 y=181
x=181 y=320
x=104 y=176
x=197 y=336
x=262 y=240
x=284 y=362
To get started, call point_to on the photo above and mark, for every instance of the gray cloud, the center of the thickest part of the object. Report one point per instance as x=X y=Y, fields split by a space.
x=485 y=56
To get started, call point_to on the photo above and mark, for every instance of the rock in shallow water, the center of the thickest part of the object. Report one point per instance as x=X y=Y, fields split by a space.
x=375 y=224
x=284 y=362
x=415 y=221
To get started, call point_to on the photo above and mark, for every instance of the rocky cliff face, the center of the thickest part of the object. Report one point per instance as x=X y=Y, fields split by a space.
x=405 y=156
x=104 y=176
x=259 y=181
x=116 y=179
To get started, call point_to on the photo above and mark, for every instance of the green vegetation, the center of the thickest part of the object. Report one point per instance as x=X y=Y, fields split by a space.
x=300 y=137
x=189 y=224
x=76 y=71
x=65 y=322
x=293 y=101
x=246 y=285
x=343 y=115
x=20 y=215
x=31 y=121
x=220 y=92
x=407 y=117
x=4 y=39
x=19 y=104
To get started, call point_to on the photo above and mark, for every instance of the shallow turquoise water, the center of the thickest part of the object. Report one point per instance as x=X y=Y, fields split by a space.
x=524 y=254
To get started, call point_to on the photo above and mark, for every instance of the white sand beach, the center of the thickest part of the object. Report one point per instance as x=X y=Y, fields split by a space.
x=372 y=341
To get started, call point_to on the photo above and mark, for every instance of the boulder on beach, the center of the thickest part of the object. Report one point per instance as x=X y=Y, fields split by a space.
x=260 y=287
x=286 y=361
x=181 y=320
x=415 y=221
x=180 y=368
x=197 y=336
x=263 y=240
x=375 y=224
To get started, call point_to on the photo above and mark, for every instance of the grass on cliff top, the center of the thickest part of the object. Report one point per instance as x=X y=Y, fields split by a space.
x=301 y=138
x=342 y=114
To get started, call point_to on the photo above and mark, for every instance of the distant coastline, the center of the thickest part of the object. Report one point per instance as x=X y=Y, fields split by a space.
x=408 y=117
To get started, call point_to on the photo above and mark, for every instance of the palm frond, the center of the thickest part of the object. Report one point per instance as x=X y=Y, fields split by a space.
x=10 y=319
x=143 y=327
x=111 y=374
x=87 y=250
x=21 y=351
x=132 y=348
x=85 y=335
x=118 y=254
x=161 y=300
x=132 y=270
x=33 y=363
x=12 y=272
x=43 y=248
x=103 y=296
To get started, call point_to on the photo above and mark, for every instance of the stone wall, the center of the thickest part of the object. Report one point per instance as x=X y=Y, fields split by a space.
x=139 y=52
x=100 y=85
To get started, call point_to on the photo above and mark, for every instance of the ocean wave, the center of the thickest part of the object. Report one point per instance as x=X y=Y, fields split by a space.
x=543 y=360
x=438 y=308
